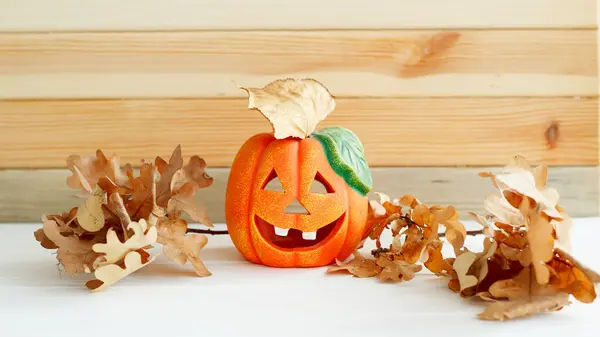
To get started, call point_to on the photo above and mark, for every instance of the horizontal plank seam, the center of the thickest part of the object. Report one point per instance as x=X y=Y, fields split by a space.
x=230 y=98
x=303 y=30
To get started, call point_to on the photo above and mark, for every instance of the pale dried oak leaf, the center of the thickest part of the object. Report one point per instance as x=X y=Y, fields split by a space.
x=293 y=106
x=114 y=250
x=111 y=273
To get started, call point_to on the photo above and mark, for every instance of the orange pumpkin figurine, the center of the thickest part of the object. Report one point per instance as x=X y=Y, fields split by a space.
x=334 y=221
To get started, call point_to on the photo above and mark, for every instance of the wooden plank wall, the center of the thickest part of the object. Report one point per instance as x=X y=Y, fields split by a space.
x=437 y=90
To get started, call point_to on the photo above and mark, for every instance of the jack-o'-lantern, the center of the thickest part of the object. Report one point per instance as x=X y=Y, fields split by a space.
x=332 y=221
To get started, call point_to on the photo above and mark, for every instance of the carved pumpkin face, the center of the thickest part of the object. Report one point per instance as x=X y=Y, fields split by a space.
x=260 y=227
x=333 y=220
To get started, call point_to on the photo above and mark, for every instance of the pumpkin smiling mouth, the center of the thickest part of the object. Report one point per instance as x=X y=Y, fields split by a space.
x=293 y=238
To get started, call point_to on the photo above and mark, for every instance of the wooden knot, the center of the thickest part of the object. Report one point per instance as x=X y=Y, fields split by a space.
x=552 y=135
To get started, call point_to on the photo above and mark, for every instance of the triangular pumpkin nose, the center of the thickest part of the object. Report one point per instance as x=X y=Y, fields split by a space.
x=295 y=207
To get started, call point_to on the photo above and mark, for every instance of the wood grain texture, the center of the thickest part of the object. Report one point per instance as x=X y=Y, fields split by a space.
x=350 y=63
x=26 y=195
x=61 y=15
x=395 y=132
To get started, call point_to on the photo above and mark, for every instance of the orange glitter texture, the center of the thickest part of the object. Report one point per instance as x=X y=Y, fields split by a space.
x=251 y=211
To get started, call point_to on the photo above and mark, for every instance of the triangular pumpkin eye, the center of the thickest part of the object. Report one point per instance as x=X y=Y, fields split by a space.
x=320 y=186
x=273 y=183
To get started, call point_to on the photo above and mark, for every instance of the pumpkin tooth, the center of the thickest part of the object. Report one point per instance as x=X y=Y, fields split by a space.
x=309 y=235
x=281 y=231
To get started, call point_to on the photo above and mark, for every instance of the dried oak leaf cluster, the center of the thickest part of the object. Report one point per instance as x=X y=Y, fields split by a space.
x=525 y=266
x=123 y=216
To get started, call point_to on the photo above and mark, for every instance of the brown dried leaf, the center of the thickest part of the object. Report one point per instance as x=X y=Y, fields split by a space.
x=44 y=241
x=140 y=204
x=76 y=263
x=589 y=273
x=74 y=254
x=197 y=212
x=293 y=106
x=409 y=200
x=461 y=266
x=163 y=187
x=541 y=245
x=70 y=243
x=396 y=270
x=92 y=168
x=513 y=289
x=195 y=170
x=500 y=311
x=90 y=215
x=413 y=246
x=435 y=260
x=359 y=266
x=181 y=248
x=481 y=265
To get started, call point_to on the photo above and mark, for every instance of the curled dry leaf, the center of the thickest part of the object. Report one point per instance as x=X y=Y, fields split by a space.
x=359 y=266
x=396 y=270
x=181 y=248
x=500 y=311
x=293 y=106
x=461 y=266
x=109 y=274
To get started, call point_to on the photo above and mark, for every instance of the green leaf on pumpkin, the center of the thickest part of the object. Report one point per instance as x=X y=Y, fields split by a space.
x=345 y=154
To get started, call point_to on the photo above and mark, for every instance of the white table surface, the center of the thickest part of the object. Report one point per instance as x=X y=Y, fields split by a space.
x=243 y=299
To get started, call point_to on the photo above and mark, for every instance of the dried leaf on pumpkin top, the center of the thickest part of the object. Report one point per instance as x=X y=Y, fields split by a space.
x=293 y=106
x=359 y=266
x=114 y=250
x=500 y=311
x=109 y=274
x=180 y=247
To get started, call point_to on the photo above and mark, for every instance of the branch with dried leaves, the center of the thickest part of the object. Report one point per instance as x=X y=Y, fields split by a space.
x=525 y=266
x=123 y=216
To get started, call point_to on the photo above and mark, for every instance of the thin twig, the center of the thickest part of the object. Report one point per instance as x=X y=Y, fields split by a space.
x=207 y=231
x=469 y=233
